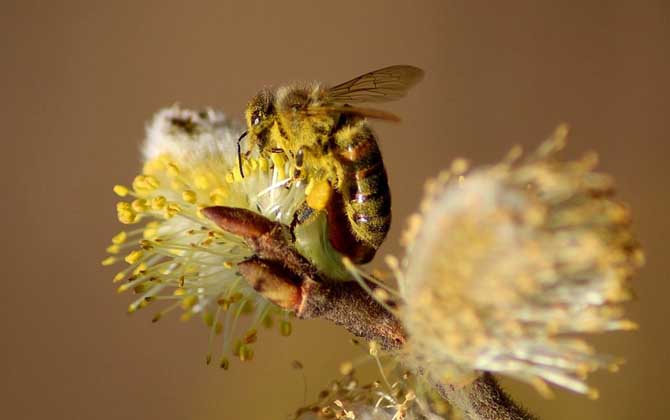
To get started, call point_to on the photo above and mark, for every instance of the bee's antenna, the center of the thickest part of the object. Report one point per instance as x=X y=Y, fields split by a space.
x=239 y=152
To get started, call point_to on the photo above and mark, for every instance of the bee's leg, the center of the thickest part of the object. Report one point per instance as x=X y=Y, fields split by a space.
x=318 y=193
x=304 y=214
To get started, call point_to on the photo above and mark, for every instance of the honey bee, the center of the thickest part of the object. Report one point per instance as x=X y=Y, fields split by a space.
x=332 y=147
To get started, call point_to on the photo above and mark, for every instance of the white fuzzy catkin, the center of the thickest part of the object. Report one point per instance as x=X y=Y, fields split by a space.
x=506 y=265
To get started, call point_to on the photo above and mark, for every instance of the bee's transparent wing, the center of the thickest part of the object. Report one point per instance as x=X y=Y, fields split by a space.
x=387 y=84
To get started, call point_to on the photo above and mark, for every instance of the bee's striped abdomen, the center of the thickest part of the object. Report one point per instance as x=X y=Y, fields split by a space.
x=364 y=184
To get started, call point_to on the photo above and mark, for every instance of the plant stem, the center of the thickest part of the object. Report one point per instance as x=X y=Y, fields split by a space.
x=285 y=277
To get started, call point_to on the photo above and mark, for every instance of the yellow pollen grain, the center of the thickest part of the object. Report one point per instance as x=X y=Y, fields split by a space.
x=189 y=196
x=108 y=261
x=230 y=178
x=134 y=256
x=121 y=190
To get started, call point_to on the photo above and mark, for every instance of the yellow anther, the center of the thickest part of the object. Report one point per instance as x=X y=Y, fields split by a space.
x=346 y=368
x=218 y=196
x=263 y=164
x=120 y=190
x=150 y=233
x=246 y=353
x=253 y=165
x=285 y=328
x=127 y=217
x=123 y=206
x=108 y=261
x=118 y=277
x=179 y=292
x=140 y=205
x=113 y=249
x=374 y=348
x=279 y=163
x=171 y=210
x=123 y=288
x=140 y=268
x=158 y=202
x=145 y=183
x=134 y=256
x=189 y=301
x=132 y=308
x=189 y=196
x=151 y=182
x=119 y=238
x=172 y=169
x=201 y=182
x=153 y=166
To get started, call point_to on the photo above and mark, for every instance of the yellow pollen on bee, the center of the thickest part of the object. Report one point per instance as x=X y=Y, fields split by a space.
x=134 y=256
x=230 y=178
x=318 y=194
x=228 y=264
x=121 y=190
x=189 y=196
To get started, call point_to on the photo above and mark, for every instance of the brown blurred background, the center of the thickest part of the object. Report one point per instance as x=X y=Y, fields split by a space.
x=79 y=80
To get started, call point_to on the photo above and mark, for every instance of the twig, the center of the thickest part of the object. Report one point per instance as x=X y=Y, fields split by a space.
x=285 y=277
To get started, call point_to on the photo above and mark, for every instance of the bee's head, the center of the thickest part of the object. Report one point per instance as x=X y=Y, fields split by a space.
x=260 y=115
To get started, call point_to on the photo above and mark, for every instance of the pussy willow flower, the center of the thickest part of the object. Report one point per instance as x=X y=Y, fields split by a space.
x=346 y=398
x=507 y=266
x=176 y=256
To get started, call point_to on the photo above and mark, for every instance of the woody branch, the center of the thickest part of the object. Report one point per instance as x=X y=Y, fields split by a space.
x=278 y=272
